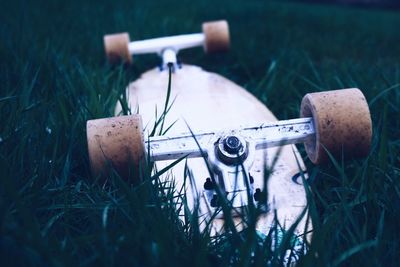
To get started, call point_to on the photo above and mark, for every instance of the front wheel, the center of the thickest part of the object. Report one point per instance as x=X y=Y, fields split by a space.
x=116 y=144
x=342 y=122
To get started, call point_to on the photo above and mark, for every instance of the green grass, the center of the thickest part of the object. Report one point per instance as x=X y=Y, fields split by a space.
x=54 y=77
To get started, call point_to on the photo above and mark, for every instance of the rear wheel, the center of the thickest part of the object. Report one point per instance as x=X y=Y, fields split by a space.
x=216 y=36
x=116 y=48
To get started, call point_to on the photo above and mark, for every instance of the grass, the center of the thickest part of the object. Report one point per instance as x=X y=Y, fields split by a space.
x=54 y=77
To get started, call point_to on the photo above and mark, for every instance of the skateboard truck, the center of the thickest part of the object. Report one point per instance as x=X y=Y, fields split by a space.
x=214 y=38
x=230 y=154
x=233 y=146
x=337 y=122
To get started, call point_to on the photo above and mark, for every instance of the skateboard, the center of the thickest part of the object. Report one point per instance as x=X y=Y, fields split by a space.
x=232 y=148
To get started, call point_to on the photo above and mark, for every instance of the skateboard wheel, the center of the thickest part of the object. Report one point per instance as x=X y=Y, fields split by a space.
x=216 y=36
x=342 y=123
x=116 y=143
x=116 y=47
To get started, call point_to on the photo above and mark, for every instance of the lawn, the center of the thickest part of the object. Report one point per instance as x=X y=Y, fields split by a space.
x=54 y=78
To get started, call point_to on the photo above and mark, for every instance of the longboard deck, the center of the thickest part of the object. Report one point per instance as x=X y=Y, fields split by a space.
x=207 y=101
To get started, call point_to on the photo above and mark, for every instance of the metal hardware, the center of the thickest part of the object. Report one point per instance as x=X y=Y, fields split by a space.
x=264 y=135
x=231 y=155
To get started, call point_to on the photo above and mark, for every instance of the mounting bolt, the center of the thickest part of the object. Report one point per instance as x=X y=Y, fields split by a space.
x=214 y=201
x=208 y=185
x=251 y=178
x=257 y=194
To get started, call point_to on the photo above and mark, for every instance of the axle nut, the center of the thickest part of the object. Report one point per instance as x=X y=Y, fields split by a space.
x=231 y=149
x=232 y=144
